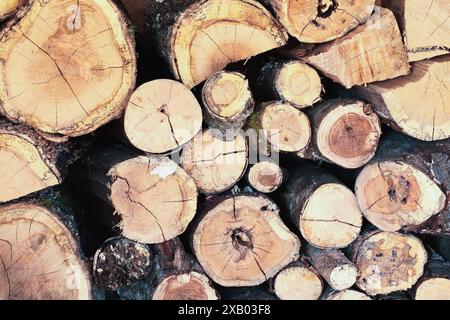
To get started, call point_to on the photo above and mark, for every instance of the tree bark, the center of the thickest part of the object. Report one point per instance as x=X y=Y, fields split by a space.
x=382 y=54
x=418 y=104
x=100 y=58
x=154 y=198
x=317 y=21
x=241 y=241
x=387 y=261
x=399 y=187
x=229 y=31
x=321 y=207
x=227 y=101
x=10 y=7
x=345 y=132
x=337 y=270
x=154 y=121
x=288 y=80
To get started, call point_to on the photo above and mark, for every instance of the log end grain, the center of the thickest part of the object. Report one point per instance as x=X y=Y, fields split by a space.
x=433 y=289
x=298 y=283
x=348 y=295
x=186 y=286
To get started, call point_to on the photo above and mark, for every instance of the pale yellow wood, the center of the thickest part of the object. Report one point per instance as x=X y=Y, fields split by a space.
x=298 y=283
x=185 y=286
x=265 y=176
x=349 y=295
x=434 y=289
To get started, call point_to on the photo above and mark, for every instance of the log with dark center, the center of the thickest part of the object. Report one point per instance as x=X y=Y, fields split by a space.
x=265 y=176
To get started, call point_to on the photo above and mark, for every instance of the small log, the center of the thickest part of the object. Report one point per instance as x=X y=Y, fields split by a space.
x=298 y=281
x=214 y=164
x=345 y=132
x=242 y=241
x=259 y=293
x=399 y=188
x=154 y=121
x=321 y=207
x=316 y=21
x=227 y=101
x=61 y=89
x=286 y=128
x=337 y=270
x=119 y=262
x=28 y=162
x=153 y=197
x=265 y=176
x=425 y=26
x=418 y=104
x=347 y=294
x=9 y=7
x=372 y=52
x=40 y=257
x=228 y=31
x=435 y=284
x=388 y=261
x=177 y=276
x=287 y=80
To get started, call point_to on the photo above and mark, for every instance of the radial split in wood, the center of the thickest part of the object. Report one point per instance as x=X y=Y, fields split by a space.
x=372 y=52
x=154 y=198
x=315 y=21
x=68 y=66
x=243 y=242
x=346 y=132
x=388 y=262
x=214 y=164
x=39 y=258
x=418 y=104
x=210 y=34
x=162 y=115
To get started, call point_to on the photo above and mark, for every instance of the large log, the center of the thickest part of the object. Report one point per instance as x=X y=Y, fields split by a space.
x=227 y=31
x=372 y=52
x=315 y=21
x=417 y=104
x=241 y=241
x=154 y=121
x=321 y=207
x=345 y=132
x=388 y=261
x=399 y=188
x=153 y=197
x=214 y=164
x=68 y=67
x=40 y=255
x=425 y=26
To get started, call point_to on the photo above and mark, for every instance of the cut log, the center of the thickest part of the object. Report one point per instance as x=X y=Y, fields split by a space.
x=153 y=197
x=388 y=262
x=345 y=132
x=337 y=270
x=435 y=285
x=154 y=121
x=288 y=80
x=298 y=281
x=265 y=176
x=227 y=31
x=315 y=21
x=178 y=276
x=398 y=188
x=372 y=52
x=120 y=261
x=9 y=7
x=28 y=162
x=348 y=295
x=242 y=241
x=227 y=101
x=286 y=128
x=68 y=67
x=321 y=207
x=39 y=257
x=214 y=164
x=425 y=26
x=418 y=104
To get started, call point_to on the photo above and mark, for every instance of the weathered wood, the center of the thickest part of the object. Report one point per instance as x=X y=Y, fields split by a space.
x=10 y=7
x=266 y=176
x=91 y=78
x=347 y=294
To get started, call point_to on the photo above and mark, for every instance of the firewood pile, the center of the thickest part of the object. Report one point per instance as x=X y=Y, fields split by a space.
x=225 y=149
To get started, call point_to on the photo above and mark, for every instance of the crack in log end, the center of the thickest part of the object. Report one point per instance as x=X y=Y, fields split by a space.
x=326 y=8
x=242 y=239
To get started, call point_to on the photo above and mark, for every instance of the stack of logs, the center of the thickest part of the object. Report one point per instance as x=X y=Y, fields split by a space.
x=347 y=197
